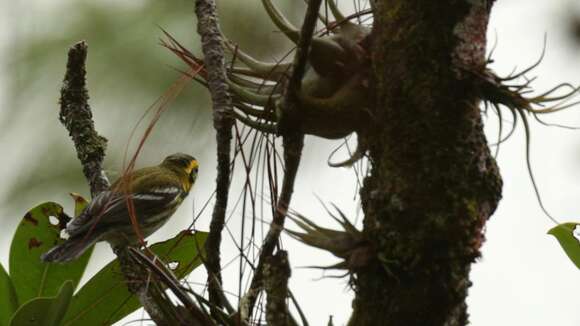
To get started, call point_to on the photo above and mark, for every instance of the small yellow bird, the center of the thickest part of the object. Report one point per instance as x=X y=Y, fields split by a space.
x=155 y=193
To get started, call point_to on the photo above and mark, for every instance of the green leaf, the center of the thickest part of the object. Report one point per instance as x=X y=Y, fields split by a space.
x=105 y=298
x=8 y=298
x=44 y=311
x=35 y=235
x=565 y=235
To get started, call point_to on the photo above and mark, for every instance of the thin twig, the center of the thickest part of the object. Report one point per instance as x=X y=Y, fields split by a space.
x=212 y=47
x=293 y=142
x=298 y=309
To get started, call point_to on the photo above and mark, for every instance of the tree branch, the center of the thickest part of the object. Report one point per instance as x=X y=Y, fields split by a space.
x=293 y=142
x=212 y=47
x=433 y=181
x=276 y=275
x=76 y=116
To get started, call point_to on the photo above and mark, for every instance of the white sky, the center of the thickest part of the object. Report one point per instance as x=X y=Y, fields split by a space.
x=524 y=278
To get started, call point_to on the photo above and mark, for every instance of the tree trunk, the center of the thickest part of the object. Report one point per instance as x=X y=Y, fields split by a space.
x=433 y=183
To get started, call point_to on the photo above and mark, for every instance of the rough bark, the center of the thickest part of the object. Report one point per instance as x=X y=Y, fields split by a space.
x=433 y=183
x=76 y=116
x=214 y=59
x=276 y=275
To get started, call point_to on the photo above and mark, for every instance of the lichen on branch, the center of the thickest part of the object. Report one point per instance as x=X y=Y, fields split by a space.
x=75 y=114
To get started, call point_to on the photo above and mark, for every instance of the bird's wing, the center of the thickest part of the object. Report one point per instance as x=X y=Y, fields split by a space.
x=110 y=208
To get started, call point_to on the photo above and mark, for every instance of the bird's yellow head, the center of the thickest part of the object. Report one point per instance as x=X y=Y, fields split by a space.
x=183 y=163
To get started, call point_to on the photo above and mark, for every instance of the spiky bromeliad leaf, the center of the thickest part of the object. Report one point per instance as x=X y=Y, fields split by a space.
x=348 y=244
x=333 y=93
x=513 y=93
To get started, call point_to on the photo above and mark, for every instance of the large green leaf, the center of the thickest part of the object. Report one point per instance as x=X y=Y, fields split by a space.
x=44 y=311
x=105 y=298
x=565 y=235
x=8 y=298
x=35 y=235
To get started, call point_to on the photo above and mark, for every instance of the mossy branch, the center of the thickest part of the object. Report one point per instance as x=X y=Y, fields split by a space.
x=76 y=116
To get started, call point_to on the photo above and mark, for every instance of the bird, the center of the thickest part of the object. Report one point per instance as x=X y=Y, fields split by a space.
x=155 y=193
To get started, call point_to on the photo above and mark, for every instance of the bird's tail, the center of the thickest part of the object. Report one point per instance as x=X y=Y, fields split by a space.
x=71 y=249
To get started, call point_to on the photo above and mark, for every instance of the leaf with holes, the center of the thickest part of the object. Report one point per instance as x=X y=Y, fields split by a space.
x=8 y=299
x=569 y=242
x=105 y=298
x=39 y=231
x=44 y=311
